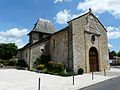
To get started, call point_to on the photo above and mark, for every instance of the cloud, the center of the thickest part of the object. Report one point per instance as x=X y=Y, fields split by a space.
x=13 y=36
x=113 y=32
x=110 y=46
x=63 y=16
x=56 y=1
x=44 y=20
x=101 y=6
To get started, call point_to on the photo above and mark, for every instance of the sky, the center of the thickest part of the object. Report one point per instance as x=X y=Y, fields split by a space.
x=17 y=17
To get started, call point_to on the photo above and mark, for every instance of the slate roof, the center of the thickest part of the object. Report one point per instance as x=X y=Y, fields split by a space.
x=44 y=26
x=32 y=44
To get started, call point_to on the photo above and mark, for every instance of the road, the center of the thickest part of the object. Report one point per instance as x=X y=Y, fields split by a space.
x=111 y=84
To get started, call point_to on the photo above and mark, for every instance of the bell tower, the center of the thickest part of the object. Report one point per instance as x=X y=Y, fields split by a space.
x=42 y=29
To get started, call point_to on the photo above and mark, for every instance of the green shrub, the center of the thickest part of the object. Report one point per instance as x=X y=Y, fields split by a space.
x=43 y=59
x=22 y=63
x=1 y=65
x=8 y=62
x=53 y=65
x=33 y=69
x=62 y=73
x=47 y=71
x=59 y=66
x=40 y=67
x=44 y=71
x=69 y=73
x=12 y=63
x=4 y=62
x=80 y=71
x=56 y=71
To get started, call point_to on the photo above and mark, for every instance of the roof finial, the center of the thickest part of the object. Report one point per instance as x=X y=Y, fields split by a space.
x=90 y=10
x=39 y=18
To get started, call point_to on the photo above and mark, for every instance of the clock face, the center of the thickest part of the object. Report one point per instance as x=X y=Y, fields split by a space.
x=93 y=38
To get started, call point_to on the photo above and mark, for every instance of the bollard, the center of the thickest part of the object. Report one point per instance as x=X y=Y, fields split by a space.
x=39 y=84
x=73 y=79
x=92 y=75
x=104 y=72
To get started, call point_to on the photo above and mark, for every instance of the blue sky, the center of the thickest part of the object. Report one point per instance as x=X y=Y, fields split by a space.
x=17 y=17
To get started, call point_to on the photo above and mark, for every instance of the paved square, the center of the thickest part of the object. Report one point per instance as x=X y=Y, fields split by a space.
x=12 y=79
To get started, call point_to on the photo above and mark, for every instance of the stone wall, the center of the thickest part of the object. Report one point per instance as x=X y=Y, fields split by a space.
x=31 y=53
x=34 y=37
x=103 y=45
x=37 y=50
x=82 y=43
x=59 y=47
x=71 y=45
x=78 y=43
x=24 y=55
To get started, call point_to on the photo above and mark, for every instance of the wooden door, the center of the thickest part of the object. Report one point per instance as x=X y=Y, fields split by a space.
x=93 y=59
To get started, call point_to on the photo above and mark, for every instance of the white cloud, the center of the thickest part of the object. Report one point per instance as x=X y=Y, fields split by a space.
x=113 y=32
x=56 y=1
x=101 y=6
x=63 y=16
x=110 y=46
x=13 y=36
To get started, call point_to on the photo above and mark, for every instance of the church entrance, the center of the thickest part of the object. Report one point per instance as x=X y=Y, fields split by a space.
x=93 y=59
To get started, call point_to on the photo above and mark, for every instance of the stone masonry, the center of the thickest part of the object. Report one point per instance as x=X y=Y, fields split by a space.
x=82 y=44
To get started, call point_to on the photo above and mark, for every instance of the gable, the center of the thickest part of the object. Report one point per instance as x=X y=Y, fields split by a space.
x=90 y=22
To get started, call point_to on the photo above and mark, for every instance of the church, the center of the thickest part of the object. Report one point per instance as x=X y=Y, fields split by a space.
x=82 y=44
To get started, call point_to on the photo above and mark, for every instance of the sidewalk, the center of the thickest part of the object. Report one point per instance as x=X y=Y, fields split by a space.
x=111 y=72
x=12 y=79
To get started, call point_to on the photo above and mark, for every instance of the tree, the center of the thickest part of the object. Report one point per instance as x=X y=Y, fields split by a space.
x=7 y=51
x=112 y=54
x=118 y=54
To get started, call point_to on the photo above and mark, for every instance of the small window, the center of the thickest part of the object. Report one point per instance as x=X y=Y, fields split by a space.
x=42 y=50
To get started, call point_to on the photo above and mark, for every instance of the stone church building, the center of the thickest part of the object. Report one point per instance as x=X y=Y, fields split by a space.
x=82 y=44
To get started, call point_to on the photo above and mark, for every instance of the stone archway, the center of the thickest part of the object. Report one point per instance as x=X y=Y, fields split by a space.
x=93 y=59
